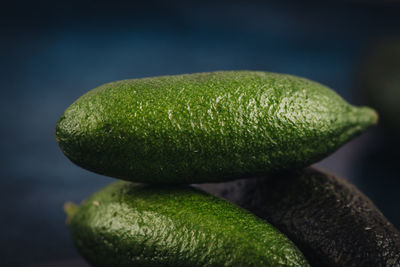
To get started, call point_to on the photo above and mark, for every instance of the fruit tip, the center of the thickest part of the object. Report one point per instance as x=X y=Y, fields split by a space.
x=70 y=210
x=374 y=116
x=369 y=116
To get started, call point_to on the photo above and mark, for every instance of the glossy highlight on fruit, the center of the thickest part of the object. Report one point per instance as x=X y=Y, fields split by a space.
x=328 y=218
x=127 y=224
x=207 y=127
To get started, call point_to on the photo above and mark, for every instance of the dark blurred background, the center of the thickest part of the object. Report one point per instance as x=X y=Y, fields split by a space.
x=54 y=51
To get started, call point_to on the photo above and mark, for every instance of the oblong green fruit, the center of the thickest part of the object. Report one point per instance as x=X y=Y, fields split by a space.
x=328 y=218
x=206 y=127
x=128 y=224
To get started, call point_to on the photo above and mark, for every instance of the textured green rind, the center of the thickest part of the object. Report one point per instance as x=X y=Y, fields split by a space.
x=206 y=127
x=328 y=218
x=129 y=224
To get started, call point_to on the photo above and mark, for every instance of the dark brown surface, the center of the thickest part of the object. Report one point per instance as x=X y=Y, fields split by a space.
x=329 y=219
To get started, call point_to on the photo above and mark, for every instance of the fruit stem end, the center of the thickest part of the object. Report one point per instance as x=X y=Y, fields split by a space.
x=70 y=209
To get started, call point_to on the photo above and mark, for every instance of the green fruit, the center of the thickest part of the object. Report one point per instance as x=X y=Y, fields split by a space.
x=328 y=218
x=206 y=127
x=128 y=224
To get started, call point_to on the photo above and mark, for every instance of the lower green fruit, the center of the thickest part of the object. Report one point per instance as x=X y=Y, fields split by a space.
x=129 y=224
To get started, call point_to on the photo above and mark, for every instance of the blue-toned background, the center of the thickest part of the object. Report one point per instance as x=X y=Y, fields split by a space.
x=53 y=52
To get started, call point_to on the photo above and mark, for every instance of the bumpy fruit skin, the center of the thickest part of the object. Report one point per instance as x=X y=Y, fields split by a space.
x=129 y=224
x=328 y=218
x=206 y=127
